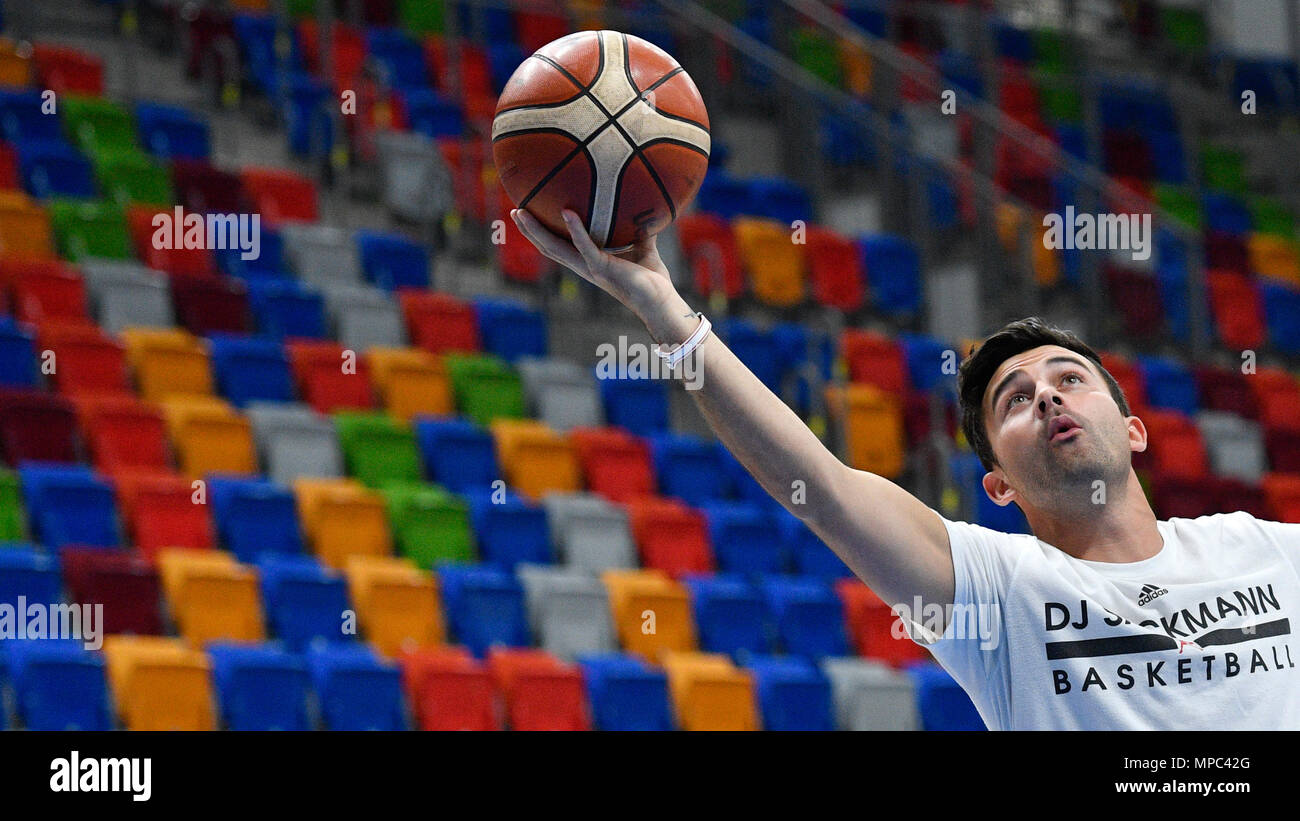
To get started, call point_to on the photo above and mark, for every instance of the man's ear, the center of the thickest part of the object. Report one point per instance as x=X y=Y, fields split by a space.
x=1137 y=434
x=995 y=485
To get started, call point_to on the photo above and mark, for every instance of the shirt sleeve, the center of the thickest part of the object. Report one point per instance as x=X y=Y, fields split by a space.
x=1286 y=535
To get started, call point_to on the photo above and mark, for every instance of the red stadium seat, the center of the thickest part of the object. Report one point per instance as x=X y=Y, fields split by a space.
x=518 y=258
x=42 y=290
x=86 y=359
x=474 y=74
x=202 y=188
x=450 y=690
x=1283 y=493
x=207 y=305
x=347 y=51
x=670 y=536
x=466 y=160
x=1224 y=389
x=709 y=247
x=177 y=261
x=160 y=511
x=1174 y=445
x=124 y=434
x=1237 y=310
x=1183 y=498
x=1135 y=297
x=439 y=322
x=1127 y=154
x=68 y=71
x=324 y=382
x=123 y=582
x=541 y=692
x=1128 y=376
x=278 y=195
x=9 y=178
x=1283 y=448
x=616 y=463
x=835 y=269
x=1226 y=252
x=1233 y=495
x=37 y=426
x=870 y=624
x=875 y=359
x=1278 y=394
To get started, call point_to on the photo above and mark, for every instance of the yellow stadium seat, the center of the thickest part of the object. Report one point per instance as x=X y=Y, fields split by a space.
x=855 y=65
x=710 y=693
x=209 y=436
x=15 y=64
x=1009 y=219
x=1046 y=261
x=411 y=381
x=774 y=261
x=24 y=227
x=168 y=362
x=536 y=460
x=397 y=603
x=872 y=422
x=159 y=683
x=211 y=596
x=1274 y=256
x=342 y=518
x=652 y=613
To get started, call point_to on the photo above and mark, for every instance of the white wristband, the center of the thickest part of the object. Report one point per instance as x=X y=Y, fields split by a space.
x=684 y=350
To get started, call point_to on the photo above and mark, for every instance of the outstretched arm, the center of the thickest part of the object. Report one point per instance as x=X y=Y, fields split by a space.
x=888 y=537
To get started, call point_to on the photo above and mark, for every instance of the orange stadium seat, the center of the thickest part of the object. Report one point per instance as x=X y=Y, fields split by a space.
x=211 y=596
x=15 y=64
x=536 y=460
x=872 y=421
x=168 y=362
x=25 y=230
x=124 y=434
x=1274 y=256
x=450 y=690
x=709 y=692
x=411 y=381
x=651 y=612
x=540 y=691
x=209 y=436
x=616 y=463
x=342 y=518
x=397 y=603
x=775 y=264
x=159 y=683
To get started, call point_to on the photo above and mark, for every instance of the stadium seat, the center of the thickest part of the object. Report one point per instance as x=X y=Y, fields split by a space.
x=260 y=687
x=560 y=393
x=874 y=629
x=202 y=188
x=249 y=369
x=792 y=693
x=127 y=177
x=304 y=600
x=808 y=617
x=729 y=614
x=429 y=525
x=168 y=363
x=322 y=255
x=22 y=117
x=44 y=291
x=626 y=693
x=1278 y=394
x=1226 y=390
x=710 y=693
x=1235 y=446
x=486 y=387
x=774 y=263
x=540 y=692
x=689 y=468
x=180 y=259
x=25 y=228
x=639 y=406
x=1282 y=490
x=341 y=518
x=67 y=70
x=123 y=582
x=390 y=261
x=410 y=382
x=746 y=538
x=17 y=355
x=87 y=361
x=1283 y=450
x=870 y=696
x=875 y=359
x=159 y=683
x=1129 y=378
x=484 y=606
x=211 y=596
x=1168 y=385
x=172 y=132
x=253 y=516
x=536 y=459
x=396 y=603
x=161 y=510
x=128 y=295
x=509 y=529
x=357 y=689
x=1236 y=310
x=509 y=329
x=209 y=305
x=68 y=504
x=363 y=317
x=58 y=685
x=709 y=248
x=52 y=168
x=209 y=436
x=872 y=428
x=439 y=322
x=295 y=441
x=568 y=611
x=1274 y=257
x=670 y=536
x=330 y=377
x=669 y=625
x=450 y=690
x=760 y=350
x=416 y=184
x=88 y=228
x=941 y=703
x=278 y=195
x=377 y=449
x=893 y=270
x=28 y=573
x=616 y=464
x=13 y=519
x=284 y=309
x=1175 y=447
x=1282 y=312
x=589 y=533
x=457 y=454
x=835 y=272
x=36 y=426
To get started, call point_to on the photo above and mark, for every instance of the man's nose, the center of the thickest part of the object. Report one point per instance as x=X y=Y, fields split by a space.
x=1042 y=402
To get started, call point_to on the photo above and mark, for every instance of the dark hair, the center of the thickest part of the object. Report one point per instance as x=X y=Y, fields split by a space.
x=1015 y=337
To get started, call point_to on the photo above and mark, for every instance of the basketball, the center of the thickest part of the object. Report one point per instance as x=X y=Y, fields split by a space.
x=608 y=125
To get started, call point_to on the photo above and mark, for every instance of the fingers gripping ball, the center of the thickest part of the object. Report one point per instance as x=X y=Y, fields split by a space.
x=608 y=125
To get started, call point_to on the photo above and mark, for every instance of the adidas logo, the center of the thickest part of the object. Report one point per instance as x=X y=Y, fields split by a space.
x=1149 y=593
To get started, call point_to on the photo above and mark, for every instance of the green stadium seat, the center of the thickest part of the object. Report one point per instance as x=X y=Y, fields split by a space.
x=1180 y=202
x=129 y=177
x=420 y=16
x=1272 y=217
x=816 y=53
x=430 y=525
x=378 y=449
x=486 y=387
x=97 y=125
x=1224 y=169
x=13 y=522
x=89 y=229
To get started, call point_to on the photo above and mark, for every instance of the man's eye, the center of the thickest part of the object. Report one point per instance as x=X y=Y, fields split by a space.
x=1074 y=376
x=1014 y=397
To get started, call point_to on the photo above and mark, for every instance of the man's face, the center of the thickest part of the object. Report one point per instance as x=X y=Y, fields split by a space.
x=1055 y=429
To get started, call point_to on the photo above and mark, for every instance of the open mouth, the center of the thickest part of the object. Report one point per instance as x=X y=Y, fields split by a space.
x=1062 y=428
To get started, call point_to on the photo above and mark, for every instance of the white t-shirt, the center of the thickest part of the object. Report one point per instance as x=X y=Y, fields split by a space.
x=1198 y=636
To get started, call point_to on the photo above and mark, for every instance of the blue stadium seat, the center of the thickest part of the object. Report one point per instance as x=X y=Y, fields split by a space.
x=53 y=168
x=730 y=616
x=169 y=132
x=961 y=71
x=268 y=264
x=510 y=329
x=260 y=687
x=304 y=600
x=28 y=572
x=1275 y=82
x=250 y=368
x=1167 y=156
x=626 y=693
x=926 y=360
x=1282 y=312
x=307 y=120
x=1012 y=42
x=509 y=531
x=689 y=468
x=254 y=516
x=432 y=114
x=779 y=199
x=967 y=474
x=484 y=607
x=942 y=703
x=255 y=35
x=893 y=273
x=400 y=56
x=1168 y=384
x=503 y=59
x=638 y=405
x=799 y=345
x=22 y=119
x=458 y=454
x=58 y=685
x=17 y=354
x=68 y=504
x=391 y=261
x=746 y=538
x=356 y=689
x=760 y=350
x=724 y=195
x=808 y=616
x=792 y=694
x=1225 y=212
x=285 y=308
x=809 y=554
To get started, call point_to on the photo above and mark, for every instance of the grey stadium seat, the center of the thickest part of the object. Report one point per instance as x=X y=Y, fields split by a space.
x=363 y=317
x=1235 y=446
x=568 y=611
x=322 y=254
x=414 y=179
x=561 y=393
x=869 y=695
x=590 y=533
x=127 y=294
x=295 y=441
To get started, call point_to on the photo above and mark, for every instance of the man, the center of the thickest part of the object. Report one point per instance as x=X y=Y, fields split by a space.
x=1105 y=618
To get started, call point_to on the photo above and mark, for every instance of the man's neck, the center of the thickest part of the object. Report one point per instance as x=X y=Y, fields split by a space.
x=1122 y=529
